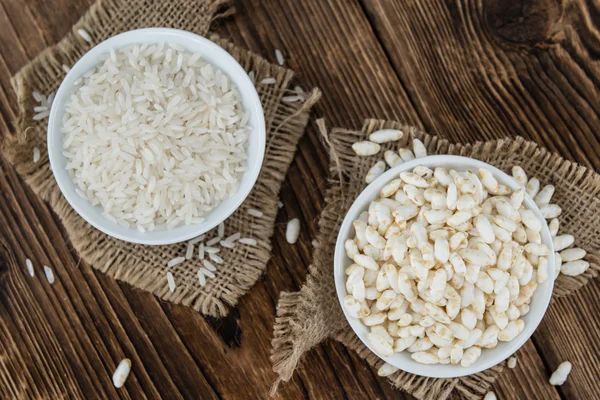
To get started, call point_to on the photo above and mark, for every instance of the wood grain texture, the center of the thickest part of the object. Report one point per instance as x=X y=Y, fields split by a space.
x=465 y=70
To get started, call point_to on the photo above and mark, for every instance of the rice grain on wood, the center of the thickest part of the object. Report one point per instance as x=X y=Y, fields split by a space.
x=292 y=231
x=29 y=266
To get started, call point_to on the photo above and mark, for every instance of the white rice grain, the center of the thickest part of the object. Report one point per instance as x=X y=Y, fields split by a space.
x=42 y=115
x=213 y=241
x=66 y=69
x=189 y=252
x=201 y=277
x=248 y=241
x=197 y=240
x=292 y=231
x=292 y=99
x=29 y=266
x=37 y=96
x=201 y=251
x=49 y=274
x=255 y=213
x=209 y=266
x=211 y=250
x=226 y=244
x=233 y=238
x=215 y=258
x=279 y=56
x=207 y=272
x=171 y=281
x=221 y=229
x=84 y=35
x=175 y=261
x=268 y=81
x=36 y=155
x=280 y=204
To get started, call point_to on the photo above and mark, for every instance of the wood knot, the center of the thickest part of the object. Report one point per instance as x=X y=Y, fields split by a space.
x=524 y=21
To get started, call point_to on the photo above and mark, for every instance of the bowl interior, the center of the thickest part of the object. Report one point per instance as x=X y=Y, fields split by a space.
x=211 y=53
x=489 y=357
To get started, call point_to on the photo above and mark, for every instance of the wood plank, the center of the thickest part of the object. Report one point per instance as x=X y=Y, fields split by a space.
x=469 y=82
x=528 y=377
x=569 y=332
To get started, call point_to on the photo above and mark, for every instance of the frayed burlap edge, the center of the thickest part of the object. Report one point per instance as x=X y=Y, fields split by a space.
x=313 y=314
x=144 y=267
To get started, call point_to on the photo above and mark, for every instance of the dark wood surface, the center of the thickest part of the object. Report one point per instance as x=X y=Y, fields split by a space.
x=466 y=70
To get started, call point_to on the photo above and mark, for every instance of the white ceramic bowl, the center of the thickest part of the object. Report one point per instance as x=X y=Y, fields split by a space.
x=211 y=53
x=489 y=357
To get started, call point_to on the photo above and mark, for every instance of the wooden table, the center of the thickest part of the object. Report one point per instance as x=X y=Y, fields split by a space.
x=461 y=69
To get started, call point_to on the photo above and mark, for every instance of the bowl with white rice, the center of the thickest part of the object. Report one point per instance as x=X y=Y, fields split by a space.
x=156 y=136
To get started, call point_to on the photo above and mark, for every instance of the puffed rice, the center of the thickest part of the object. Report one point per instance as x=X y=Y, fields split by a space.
x=446 y=263
x=561 y=374
x=121 y=373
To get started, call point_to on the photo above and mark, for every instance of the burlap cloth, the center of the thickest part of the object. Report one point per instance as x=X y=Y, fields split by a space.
x=145 y=266
x=313 y=314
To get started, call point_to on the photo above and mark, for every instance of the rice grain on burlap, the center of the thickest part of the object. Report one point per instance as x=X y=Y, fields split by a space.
x=145 y=266
x=313 y=314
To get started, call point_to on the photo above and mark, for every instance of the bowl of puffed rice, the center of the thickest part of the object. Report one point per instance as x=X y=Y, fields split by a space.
x=443 y=266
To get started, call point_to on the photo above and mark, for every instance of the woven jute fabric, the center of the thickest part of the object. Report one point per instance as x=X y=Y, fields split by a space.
x=145 y=266
x=313 y=314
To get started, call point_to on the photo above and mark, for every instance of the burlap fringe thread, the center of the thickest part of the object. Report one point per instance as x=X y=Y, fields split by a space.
x=312 y=315
x=144 y=267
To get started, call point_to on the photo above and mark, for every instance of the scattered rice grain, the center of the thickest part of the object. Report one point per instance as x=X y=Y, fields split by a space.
x=292 y=99
x=207 y=272
x=37 y=96
x=221 y=229
x=233 y=238
x=175 y=261
x=226 y=244
x=29 y=265
x=279 y=204
x=49 y=274
x=201 y=277
x=66 y=69
x=189 y=253
x=292 y=231
x=279 y=56
x=255 y=213
x=216 y=258
x=201 y=251
x=42 y=115
x=268 y=81
x=197 y=240
x=209 y=266
x=84 y=35
x=213 y=241
x=171 y=281
x=248 y=241
x=36 y=155
x=211 y=250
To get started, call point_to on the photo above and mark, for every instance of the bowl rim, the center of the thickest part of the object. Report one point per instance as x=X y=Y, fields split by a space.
x=137 y=36
x=340 y=258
